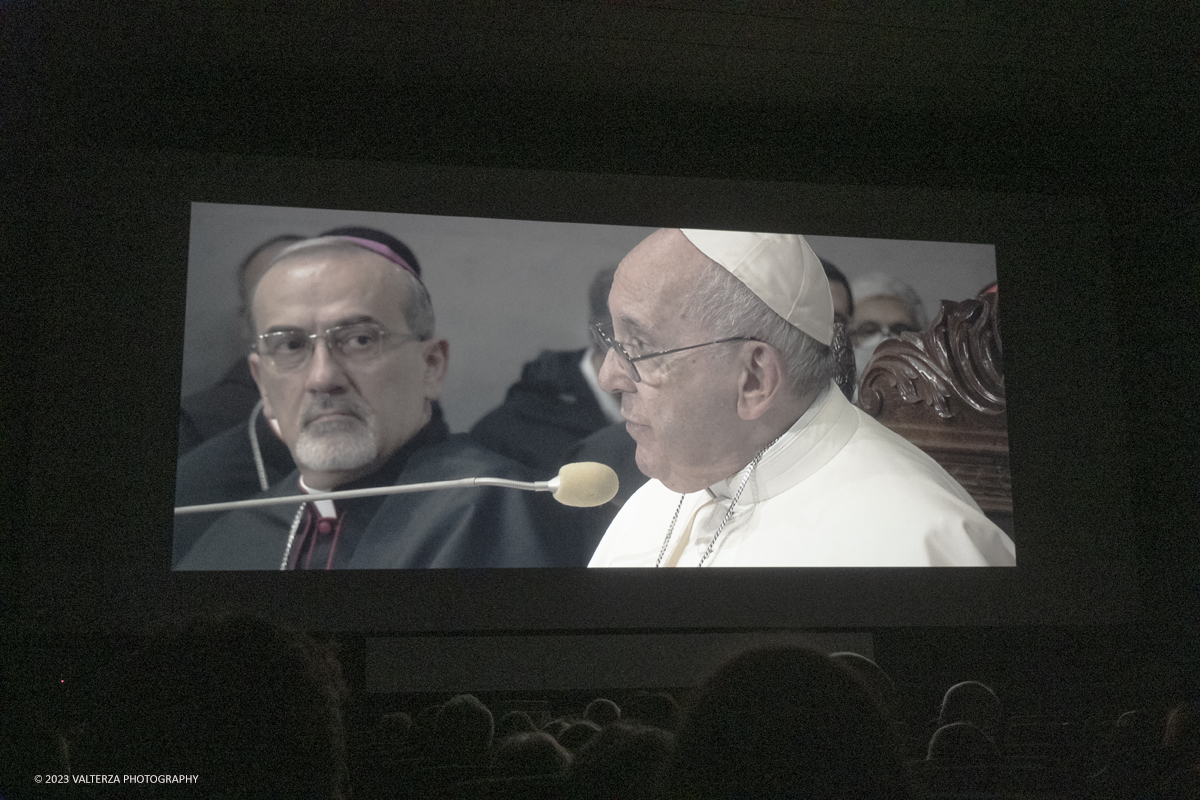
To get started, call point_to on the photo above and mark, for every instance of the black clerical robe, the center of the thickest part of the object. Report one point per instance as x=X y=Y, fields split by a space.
x=222 y=469
x=474 y=527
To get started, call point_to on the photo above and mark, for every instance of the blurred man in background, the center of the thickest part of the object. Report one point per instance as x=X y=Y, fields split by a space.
x=884 y=308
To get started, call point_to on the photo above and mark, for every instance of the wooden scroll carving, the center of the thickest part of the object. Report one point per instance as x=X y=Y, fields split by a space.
x=943 y=390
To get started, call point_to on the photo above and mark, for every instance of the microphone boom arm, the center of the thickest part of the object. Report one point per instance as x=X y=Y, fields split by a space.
x=551 y=485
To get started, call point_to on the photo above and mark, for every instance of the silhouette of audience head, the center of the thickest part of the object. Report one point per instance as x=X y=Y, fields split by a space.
x=1181 y=732
x=533 y=753
x=786 y=722
x=577 y=734
x=874 y=679
x=514 y=722
x=461 y=732
x=971 y=701
x=555 y=727
x=252 y=707
x=602 y=712
x=962 y=743
x=624 y=760
x=657 y=709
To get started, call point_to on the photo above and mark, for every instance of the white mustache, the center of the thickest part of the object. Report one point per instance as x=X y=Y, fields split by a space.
x=337 y=406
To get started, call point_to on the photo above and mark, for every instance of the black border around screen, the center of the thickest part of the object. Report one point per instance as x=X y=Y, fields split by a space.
x=98 y=557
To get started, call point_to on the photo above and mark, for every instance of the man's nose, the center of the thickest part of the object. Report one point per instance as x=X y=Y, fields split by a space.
x=325 y=372
x=613 y=377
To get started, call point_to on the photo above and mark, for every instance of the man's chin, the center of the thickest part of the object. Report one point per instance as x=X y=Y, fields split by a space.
x=332 y=453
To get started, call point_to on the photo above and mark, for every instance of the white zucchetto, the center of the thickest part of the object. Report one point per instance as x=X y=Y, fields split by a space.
x=781 y=269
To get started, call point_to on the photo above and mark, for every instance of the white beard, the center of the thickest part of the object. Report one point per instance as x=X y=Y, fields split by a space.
x=337 y=446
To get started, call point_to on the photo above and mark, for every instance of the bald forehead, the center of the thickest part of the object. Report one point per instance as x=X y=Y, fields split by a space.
x=311 y=262
x=670 y=252
x=655 y=282
x=311 y=277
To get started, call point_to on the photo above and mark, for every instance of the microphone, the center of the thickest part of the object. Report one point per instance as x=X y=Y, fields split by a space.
x=583 y=484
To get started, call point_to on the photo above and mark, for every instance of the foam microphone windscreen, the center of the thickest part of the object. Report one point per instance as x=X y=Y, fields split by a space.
x=585 y=484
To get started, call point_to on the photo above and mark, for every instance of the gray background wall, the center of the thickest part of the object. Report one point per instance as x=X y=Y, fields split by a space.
x=503 y=290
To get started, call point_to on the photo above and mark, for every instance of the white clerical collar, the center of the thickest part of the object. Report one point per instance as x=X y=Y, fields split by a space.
x=802 y=449
x=324 y=507
x=610 y=405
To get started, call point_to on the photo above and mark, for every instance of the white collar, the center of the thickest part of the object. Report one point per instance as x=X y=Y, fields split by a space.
x=324 y=507
x=808 y=445
x=610 y=405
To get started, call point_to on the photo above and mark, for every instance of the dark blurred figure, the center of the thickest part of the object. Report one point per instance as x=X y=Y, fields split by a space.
x=228 y=402
x=602 y=711
x=1129 y=772
x=625 y=761
x=875 y=679
x=962 y=743
x=530 y=754
x=1181 y=753
x=971 y=701
x=578 y=734
x=839 y=289
x=461 y=733
x=379 y=757
x=557 y=401
x=556 y=726
x=786 y=722
x=884 y=308
x=657 y=709
x=254 y=709
x=514 y=722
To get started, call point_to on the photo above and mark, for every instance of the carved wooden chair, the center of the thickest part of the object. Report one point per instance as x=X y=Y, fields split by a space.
x=943 y=390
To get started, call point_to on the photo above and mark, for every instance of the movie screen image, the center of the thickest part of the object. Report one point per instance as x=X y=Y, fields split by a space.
x=579 y=395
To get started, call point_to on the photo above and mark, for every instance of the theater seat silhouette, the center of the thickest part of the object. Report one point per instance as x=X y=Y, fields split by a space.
x=943 y=390
x=962 y=743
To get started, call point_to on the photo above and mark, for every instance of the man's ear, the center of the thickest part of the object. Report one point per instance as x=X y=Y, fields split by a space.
x=255 y=367
x=761 y=380
x=437 y=356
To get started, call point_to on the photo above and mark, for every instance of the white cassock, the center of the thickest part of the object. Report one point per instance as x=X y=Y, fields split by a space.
x=837 y=490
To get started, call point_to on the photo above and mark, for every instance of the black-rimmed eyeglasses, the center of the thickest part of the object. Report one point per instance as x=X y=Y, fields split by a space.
x=357 y=342
x=602 y=334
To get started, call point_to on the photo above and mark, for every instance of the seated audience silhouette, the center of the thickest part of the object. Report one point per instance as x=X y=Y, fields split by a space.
x=962 y=743
x=657 y=709
x=251 y=707
x=624 y=760
x=786 y=722
x=971 y=701
x=1131 y=760
x=602 y=711
x=530 y=754
x=1180 y=774
x=875 y=679
x=577 y=734
x=461 y=733
x=514 y=722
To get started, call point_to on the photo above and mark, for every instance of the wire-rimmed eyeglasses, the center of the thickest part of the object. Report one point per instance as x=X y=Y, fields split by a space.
x=357 y=342
x=602 y=334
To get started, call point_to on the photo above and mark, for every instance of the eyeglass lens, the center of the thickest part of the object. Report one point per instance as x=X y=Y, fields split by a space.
x=603 y=335
x=353 y=343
